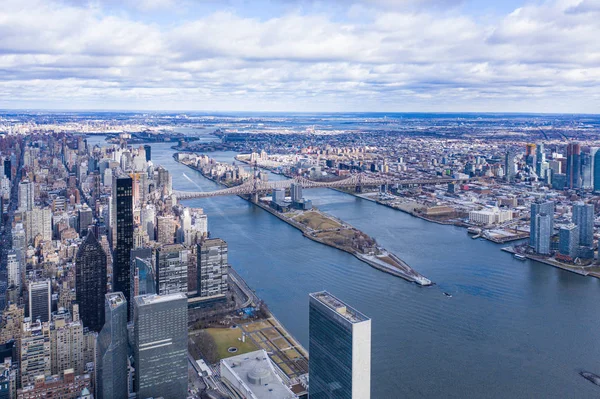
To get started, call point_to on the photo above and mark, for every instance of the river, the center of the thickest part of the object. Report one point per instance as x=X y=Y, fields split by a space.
x=512 y=329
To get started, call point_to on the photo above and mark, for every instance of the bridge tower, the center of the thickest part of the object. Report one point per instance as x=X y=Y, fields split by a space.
x=359 y=183
x=255 y=181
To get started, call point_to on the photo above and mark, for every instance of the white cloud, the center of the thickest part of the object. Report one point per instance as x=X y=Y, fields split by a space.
x=400 y=56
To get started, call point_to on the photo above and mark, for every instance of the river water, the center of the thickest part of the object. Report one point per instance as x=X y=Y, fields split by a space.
x=511 y=330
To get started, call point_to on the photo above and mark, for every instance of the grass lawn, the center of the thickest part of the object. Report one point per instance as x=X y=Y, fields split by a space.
x=316 y=221
x=229 y=337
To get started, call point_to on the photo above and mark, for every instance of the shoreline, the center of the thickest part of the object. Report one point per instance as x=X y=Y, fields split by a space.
x=375 y=263
x=555 y=264
x=457 y=224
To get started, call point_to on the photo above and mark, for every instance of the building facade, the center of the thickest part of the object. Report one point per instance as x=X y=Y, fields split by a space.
x=123 y=235
x=111 y=365
x=340 y=349
x=160 y=336
x=171 y=269
x=537 y=208
x=212 y=268
x=583 y=217
x=40 y=300
x=90 y=282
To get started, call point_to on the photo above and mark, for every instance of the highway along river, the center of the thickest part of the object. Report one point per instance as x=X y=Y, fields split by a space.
x=511 y=329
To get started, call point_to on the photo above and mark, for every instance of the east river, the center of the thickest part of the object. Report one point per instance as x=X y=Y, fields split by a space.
x=512 y=329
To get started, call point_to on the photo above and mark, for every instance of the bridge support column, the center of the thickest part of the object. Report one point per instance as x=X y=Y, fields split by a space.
x=358 y=189
x=255 y=198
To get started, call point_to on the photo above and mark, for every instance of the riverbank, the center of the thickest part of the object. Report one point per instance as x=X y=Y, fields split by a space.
x=384 y=261
x=501 y=237
x=547 y=261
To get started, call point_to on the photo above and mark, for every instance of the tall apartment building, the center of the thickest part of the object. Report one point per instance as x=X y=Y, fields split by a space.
x=38 y=222
x=26 y=195
x=340 y=349
x=35 y=352
x=66 y=346
x=160 y=336
x=212 y=268
x=538 y=208
x=165 y=229
x=122 y=235
x=171 y=269
x=13 y=269
x=111 y=365
x=583 y=217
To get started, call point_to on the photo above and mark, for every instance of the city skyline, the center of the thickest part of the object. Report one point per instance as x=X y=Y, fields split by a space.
x=366 y=55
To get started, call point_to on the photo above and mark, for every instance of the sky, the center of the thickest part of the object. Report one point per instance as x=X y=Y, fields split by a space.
x=301 y=55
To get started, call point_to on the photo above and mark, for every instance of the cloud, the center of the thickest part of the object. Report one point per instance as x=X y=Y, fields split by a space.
x=383 y=55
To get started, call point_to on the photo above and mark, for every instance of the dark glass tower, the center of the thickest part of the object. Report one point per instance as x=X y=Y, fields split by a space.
x=148 y=151
x=123 y=235
x=7 y=168
x=90 y=282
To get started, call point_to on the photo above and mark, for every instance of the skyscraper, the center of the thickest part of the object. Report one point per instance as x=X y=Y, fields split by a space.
x=583 y=217
x=90 y=282
x=148 y=150
x=160 y=351
x=587 y=163
x=7 y=168
x=596 y=169
x=540 y=159
x=34 y=352
x=112 y=349
x=296 y=192
x=40 y=300
x=530 y=154
x=543 y=233
x=536 y=209
x=509 y=167
x=26 y=195
x=85 y=219
x=13 y=269
x=123 y=235
x=574 y=165
x=340 y=349
x=171 y=269
x=568 y=241
x=212 y=268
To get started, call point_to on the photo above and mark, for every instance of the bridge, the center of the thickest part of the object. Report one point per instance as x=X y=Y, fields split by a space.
x=256 y=186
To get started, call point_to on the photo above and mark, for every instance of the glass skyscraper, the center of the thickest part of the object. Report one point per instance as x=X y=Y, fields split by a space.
x=90 y=282
x=539 y=208
x=340 y=350
x=160 y=350
x=574 y=165
x=583 y=217
x=112 y=349
x=122 y=234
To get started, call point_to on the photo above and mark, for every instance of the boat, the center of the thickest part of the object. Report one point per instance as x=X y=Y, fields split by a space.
x=448 y=295
x=591 y=377
x=520 y=257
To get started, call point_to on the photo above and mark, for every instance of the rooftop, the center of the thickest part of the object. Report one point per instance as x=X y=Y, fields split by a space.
x=152 y=299
x=333 y=303
x=256 y=373
x=115 y=299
